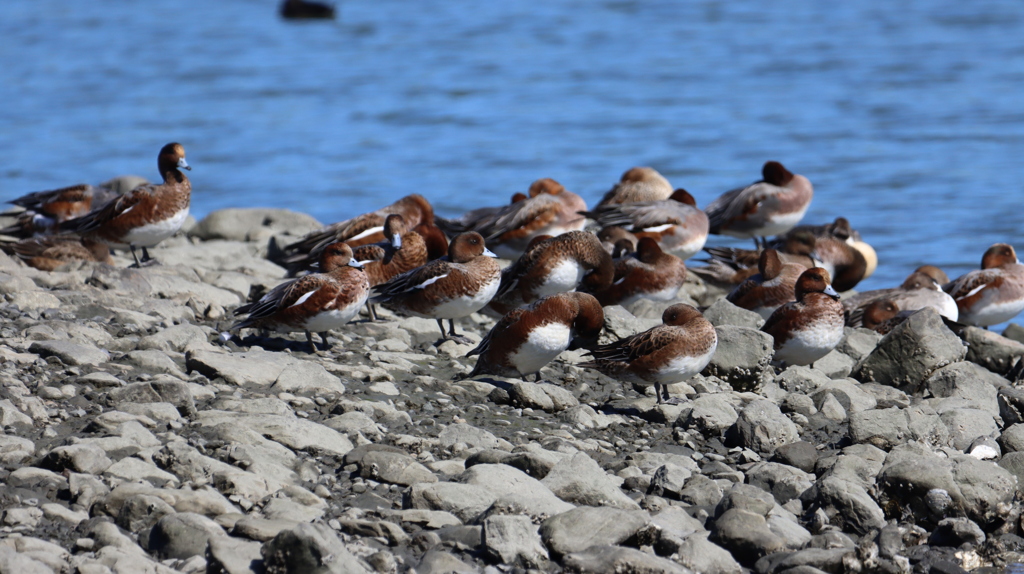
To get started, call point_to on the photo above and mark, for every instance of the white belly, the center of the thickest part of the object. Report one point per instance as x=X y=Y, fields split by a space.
x=682 y=368
x=541 y=347
x=667 y=294
x=153 y=233
x=984 y=313
x=565 y=277
x=809 y=345
x=686 y=250
x=467 y=304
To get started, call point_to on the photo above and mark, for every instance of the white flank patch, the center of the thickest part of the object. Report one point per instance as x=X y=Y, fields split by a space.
x=809 y=345
x=466 y=304
x=150 y=234
x=975 y=290
x=302 y=299
x=563 y=278
x=369 y=231
x=779 y=224
x=335 y=318
x=657 y=228
x=541 y=347
x=430 y=281
x=687 y=250
x=681 y=369
x=986 y=312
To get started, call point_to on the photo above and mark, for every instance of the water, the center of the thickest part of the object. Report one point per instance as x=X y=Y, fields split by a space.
x=906 y=116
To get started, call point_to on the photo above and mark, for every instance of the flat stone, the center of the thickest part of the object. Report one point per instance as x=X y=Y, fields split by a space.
x=607 y=558
x=742 y=358
x=70 y=353
x=580 y=480
x=762 y=427
x=310 y=548
x=586 y=526
x=514 y=540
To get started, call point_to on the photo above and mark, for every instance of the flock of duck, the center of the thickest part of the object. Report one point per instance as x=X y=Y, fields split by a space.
x=551 y=297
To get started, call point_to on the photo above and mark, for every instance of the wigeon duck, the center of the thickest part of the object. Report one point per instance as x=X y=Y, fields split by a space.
x=935 y=273
x=772 y=287
x=360 y=230
x=147 y=214
x=527 y=338
x=306 y=10
x=731 y=265
x=675 y=223
x=638 y=184
x=317 y=302
x=993 y=294
x=50 y=252
x=611 y=236
x=435 y=239
x=839 y=229
x=771 y=206
x=449 y=288
x=403 y=251
x=918 y=291
x=45 y=210
x=647 y=273
x=554 y=265
x=475 y=217
x=882 y=316
x=550 y=210
x=806 y=330
x=664 y=355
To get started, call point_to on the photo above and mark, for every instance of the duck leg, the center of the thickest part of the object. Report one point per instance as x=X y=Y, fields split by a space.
x=146 y=259
x=323 y=340
x=309 y=339
x=373 y=312
x=135 y=256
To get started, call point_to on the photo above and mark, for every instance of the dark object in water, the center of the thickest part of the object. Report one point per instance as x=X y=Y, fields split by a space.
x=301 y=9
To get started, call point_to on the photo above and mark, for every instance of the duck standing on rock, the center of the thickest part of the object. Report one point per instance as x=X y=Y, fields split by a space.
x=807 y=329
x=771 y=206
x=664 y=355
x=317 y=302
x=403 y=251
x=145 y=215
x=450 y=288
x=528 y=338
x=993 y=294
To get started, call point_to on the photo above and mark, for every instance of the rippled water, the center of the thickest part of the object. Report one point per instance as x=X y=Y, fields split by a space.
x=907 y=116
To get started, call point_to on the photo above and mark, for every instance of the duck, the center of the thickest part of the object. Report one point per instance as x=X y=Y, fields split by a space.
x=318 y=302
x=675 y=223
x=554 y=265
x=647 y=273
x=144 y=216
x=404 y=251
x=47 y=253
x=773 y=286
x=664 y=355
x=613 y=235
x=549 y=210
x=527 y=338
x=918 y=290
x=364 y=229
x=771 y=206
x=46 y=210
x=638 y=184
x=993 y=294
x=449 y=288
x=807 y=329
x=883 y=315
x=306 y=10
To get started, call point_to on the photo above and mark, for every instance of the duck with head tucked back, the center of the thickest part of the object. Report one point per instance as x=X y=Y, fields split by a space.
x=771 y=206
x=806 y=330
x=554 y=265
x=528 y=338
x=664 y=355
x=919 y=290
x=318 y=302
x=49 y=252
x=450 y=288
x=638 y=184
x=993 y=294
x=403 y=251
x=550 y=210
x=146 y=215
x=647 y=273
x=675 y=223
x=772 y=287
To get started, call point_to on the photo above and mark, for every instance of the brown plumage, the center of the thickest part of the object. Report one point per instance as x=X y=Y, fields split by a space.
x=663 y=355
x=918 y=290
x=773 y=286
x=806 y=330
x=50 y=252
x=649 y=273
x=992 y=294
x=527 y=338
x=675 y=223
x=555 y=265
x=145 y=215
x=771 y=206
x=638 y=184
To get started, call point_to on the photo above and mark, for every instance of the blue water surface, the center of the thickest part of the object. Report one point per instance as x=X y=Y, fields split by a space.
x=908 y=117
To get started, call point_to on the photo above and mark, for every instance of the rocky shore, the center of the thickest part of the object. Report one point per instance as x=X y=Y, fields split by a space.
x=135 y=441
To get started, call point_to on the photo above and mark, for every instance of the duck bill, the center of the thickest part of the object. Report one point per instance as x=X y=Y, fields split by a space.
x=182 y=164
x=489 y=253
x=396 y=241
x=354 y=263
x=831 y=292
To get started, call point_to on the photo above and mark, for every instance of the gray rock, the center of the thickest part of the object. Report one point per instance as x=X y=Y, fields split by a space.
x=83 y=457
x=1011 y=405
x=668 y=481
x=603 y=559
x=835 y=364
x=846 y=503
x=580 y=480
x=992 y=351
x=784 y=482
x=439 y=562
x=177 y=338
x=292 y=432
x=746 y=497
x=762 y=427
x=182 y=535
x=967 y=425
x=968 y=381
x=544 y=396
x=742 y=358
x=849 y=394
x=709 y=414
x=70 y=353
x=912 y=351
x=1014 y=462
x=886 y=396
x=252 y=224
x=676 y=523
x=261 y=529
x=514 y=540
x=800 y=454
x=176 y=393
x=142 y=511
x=226 y=555
x=701 y=555
x=802 y=379
x=807 y=561
x=858 y=343
x=956 y=531
x=620 y=323
x=1012 y=439
x=469 y=435
x=263 y=369
x=722 y=312
x=746 y=535
x=586 y=526
x=15 y=563
x=887 y=428
x=309 y=548
x=465 y=501
x=394 y=468
x=515 y=492
x=701 y=491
